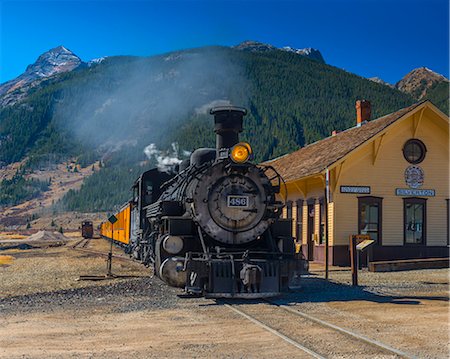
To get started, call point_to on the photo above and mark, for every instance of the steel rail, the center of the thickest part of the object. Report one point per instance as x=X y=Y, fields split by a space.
x=360 y=337
x=275 y=332
x=80 y=246
x=105 y=254
x=77 y=243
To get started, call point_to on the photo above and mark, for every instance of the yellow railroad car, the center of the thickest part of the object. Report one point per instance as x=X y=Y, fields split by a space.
x=121 y=227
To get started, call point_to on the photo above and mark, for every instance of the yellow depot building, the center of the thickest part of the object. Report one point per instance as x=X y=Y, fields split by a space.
x=387 y=178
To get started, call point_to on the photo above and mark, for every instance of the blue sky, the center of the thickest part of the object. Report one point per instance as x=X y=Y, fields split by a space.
x=368 y=37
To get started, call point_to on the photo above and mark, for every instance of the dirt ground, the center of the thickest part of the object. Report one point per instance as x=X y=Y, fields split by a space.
x=46 y=313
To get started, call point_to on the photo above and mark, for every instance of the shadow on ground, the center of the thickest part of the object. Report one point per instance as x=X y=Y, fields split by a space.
x=319 y=290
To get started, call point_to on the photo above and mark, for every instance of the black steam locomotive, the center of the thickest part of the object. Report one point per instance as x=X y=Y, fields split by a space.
x=214 y=226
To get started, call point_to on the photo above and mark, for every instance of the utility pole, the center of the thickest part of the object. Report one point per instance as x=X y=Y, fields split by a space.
x=327 y=237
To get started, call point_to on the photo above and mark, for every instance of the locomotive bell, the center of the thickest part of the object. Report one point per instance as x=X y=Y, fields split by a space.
x=227 y=125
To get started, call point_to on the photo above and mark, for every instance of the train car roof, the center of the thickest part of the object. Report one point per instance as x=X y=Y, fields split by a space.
x=150 y=173
x=144 y=174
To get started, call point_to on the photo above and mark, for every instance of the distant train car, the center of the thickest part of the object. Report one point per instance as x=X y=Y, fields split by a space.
x=87 y=229
x=121 y=228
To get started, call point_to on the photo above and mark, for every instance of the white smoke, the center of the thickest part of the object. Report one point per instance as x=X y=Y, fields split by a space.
x=145 y=99
x=204 y=109
x=165 y=160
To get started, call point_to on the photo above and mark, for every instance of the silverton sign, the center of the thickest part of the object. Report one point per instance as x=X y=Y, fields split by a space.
x=415 y=192
x=355 y=189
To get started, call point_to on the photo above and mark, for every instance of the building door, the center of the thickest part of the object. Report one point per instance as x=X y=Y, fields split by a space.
x=370 y=211
x=310 y=232
x=415 y=228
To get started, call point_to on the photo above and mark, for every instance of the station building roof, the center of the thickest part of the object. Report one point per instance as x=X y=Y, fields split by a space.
x=316 y=157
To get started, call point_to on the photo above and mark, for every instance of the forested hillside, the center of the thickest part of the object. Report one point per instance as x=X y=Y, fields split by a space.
x=116 y=108
x=294 y=101
x=439 y=95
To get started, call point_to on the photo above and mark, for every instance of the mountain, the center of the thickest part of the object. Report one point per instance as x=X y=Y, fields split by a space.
x=50 y=63
x=423 y=83
x=293 y=99
x=256 y=46
x=380 y=81
x=114 y=110
x=419 y=81
x=308 y=52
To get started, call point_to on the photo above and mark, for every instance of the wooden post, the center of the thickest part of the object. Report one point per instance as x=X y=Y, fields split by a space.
x=354 y=260
x=327 y=244
x=327 y=241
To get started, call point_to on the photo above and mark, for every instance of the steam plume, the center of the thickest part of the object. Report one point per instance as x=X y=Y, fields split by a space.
x=165 y=160
x=145 y=99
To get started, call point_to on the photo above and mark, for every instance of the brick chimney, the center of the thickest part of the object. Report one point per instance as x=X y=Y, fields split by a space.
x=363 y=111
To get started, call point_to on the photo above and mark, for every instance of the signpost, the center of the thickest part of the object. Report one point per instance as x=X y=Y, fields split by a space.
x=112 y=220
x=358 y=243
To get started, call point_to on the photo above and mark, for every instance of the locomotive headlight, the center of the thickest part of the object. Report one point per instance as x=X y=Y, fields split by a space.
x=241 y=152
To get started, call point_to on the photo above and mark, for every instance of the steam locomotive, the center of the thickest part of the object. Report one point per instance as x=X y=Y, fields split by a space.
x=213 y=227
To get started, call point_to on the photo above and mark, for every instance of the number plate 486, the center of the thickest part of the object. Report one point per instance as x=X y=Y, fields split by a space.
x=238 y=201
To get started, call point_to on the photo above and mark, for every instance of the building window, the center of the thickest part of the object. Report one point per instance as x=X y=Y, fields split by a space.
x=299 y=209
x=415 y=220
x=414 y=151
x=322 y=222
x=370 y=217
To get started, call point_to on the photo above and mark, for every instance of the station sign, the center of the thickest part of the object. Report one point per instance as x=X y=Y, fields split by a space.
x=355 y=189
x=415 y=192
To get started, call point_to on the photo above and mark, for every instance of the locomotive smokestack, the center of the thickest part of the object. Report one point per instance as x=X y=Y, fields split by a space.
x=227 y=125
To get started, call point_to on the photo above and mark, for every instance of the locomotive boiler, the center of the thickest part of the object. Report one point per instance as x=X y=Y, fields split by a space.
x=213 y=227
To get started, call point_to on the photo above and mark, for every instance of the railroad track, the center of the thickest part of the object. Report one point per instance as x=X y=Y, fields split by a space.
x=82 y=244
x=314 y=337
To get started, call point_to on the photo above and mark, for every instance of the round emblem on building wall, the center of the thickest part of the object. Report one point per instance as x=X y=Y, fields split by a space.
x=414 y=176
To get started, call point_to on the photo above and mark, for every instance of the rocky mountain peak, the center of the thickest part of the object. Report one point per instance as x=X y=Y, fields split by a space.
x=56 y=60
x=52 y=62
x=255 y=46
x=380 y=81
x=308 y=52
x=418 y=81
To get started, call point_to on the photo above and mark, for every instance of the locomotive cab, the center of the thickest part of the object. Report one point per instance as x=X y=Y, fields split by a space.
x=146 y=190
